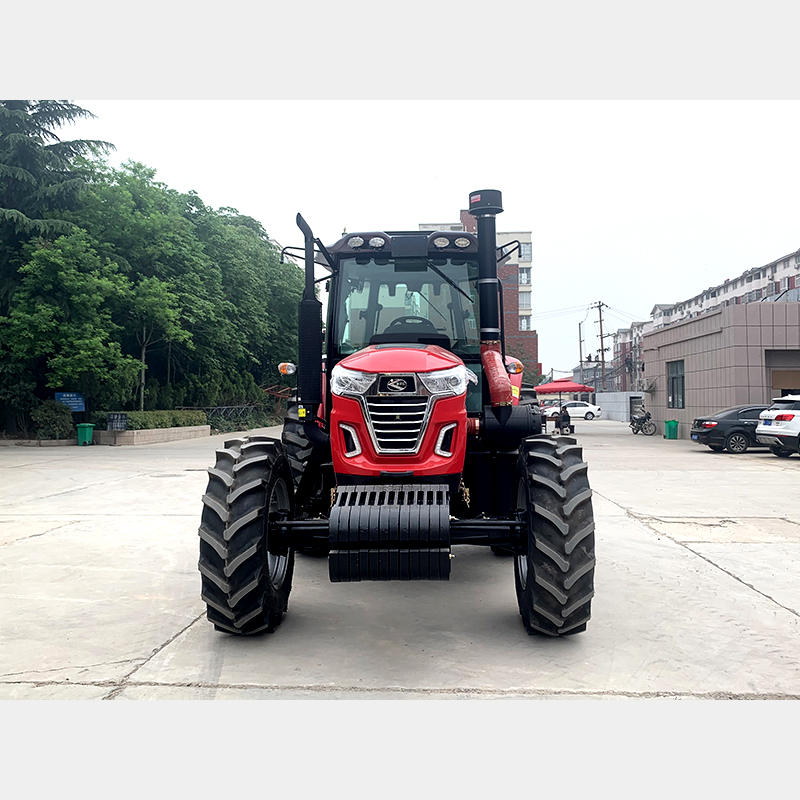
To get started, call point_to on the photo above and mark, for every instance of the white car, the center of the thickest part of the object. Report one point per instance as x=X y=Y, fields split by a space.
x=779 y=426
x=575 y=408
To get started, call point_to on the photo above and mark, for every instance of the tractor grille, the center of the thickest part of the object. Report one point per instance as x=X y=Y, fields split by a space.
x=397 y=422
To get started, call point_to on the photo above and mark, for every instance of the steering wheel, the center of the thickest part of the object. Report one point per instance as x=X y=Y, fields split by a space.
x=420 y=322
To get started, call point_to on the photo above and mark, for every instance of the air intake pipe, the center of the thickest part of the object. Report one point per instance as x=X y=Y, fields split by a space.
x=484 y=206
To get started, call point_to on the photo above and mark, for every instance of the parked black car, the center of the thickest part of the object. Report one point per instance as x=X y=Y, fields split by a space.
x=732 y=429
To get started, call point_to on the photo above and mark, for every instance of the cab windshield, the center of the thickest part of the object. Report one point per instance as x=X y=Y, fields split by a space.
x=412 y=300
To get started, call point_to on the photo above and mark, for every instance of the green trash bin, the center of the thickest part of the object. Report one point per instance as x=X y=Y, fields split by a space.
x=85 y=430
x=671 y=429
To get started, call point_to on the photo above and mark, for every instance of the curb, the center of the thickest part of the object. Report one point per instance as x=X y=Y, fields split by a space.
x=38 y=442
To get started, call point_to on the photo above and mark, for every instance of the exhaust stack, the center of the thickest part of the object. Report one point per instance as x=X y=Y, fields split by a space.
x=485 y=205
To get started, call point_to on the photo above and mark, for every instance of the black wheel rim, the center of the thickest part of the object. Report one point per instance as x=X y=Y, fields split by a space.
x=277 y=557
x=522 y=558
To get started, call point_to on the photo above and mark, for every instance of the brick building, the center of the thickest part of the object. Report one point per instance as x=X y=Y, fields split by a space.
x=522 y=341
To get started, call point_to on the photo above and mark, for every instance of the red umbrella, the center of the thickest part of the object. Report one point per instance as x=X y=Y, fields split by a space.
x=562 y=386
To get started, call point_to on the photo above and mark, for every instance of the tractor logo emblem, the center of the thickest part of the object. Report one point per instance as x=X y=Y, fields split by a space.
x=397 y=385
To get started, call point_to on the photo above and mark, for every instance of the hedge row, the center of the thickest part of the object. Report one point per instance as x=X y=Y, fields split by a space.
x=146 y=420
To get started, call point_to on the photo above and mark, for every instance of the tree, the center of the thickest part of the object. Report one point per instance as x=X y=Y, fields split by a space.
x=155 y=316
x=40 y=175
x=139 y=223
x=61 y=323
x=263 y=293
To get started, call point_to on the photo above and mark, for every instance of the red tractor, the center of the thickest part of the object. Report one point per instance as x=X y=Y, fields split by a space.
x=406 y=437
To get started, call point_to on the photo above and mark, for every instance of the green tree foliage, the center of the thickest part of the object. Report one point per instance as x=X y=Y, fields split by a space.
x=263 y=292
x=132 y=293
x=39 y=176
x=62 y=320
x=155 y=317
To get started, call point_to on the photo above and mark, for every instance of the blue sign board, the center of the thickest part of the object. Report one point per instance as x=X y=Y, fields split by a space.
x=72 y=400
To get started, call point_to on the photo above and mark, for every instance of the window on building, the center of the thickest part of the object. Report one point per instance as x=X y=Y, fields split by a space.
x=525 y=323
x=524 y=299
x=525 y=276
x=525 y=251
x=675 y=385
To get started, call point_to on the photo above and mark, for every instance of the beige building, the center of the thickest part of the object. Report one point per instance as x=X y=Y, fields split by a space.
x=733 y=355
x=731 y=344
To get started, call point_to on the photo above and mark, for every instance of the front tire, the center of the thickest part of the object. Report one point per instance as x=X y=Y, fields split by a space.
x=649 y=428
x=295 y=442
x=589 y=415
x=737 y=443
x=554 y=564
x=246 y=568
x=299 y=449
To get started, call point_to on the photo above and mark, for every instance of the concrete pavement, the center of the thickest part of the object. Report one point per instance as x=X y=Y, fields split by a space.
x=698 y=560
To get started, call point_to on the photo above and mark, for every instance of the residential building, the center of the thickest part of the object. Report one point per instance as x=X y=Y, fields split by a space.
x=778 y=280
x=731 y=344
x=626 y=368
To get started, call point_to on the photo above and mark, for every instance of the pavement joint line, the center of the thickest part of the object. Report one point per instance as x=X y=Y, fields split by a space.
x=120 y=685
x=428 y=690
x=737 y=578
x=61 y=669
x=42 y=533
x=83 y=515
x=93 y=485
x=646 y=522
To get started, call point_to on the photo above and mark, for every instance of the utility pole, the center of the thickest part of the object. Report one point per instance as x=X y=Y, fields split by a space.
x=599 y=308
x=580 y=352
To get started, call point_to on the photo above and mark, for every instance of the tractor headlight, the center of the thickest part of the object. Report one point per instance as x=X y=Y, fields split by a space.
x=349 y=381
x=448 y=381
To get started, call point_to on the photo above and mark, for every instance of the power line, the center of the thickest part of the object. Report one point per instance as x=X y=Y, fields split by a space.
x=634 y=317
x=558 y=313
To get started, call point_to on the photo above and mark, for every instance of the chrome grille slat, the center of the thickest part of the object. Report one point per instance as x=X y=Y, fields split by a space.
x=397 y=422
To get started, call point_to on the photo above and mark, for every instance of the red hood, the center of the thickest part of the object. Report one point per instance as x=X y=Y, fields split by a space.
x=400 y=358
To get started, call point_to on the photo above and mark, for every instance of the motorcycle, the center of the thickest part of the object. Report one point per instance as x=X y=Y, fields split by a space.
x=643 y=424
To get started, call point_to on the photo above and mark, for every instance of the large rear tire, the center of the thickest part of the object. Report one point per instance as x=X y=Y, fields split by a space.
x=246 y=568
x=554 y=565
x=648 y=429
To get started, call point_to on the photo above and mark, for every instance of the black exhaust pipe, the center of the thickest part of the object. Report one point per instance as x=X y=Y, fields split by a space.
x=484 y=206
x=309 y=318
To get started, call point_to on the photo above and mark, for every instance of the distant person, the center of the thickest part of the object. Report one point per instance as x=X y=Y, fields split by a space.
x=564 y=421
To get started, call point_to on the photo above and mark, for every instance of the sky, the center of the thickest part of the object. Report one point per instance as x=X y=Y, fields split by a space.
x=650 y=149
x=629 y=203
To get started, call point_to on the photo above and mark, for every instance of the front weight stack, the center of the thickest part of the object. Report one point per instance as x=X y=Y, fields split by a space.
x=394 y=532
